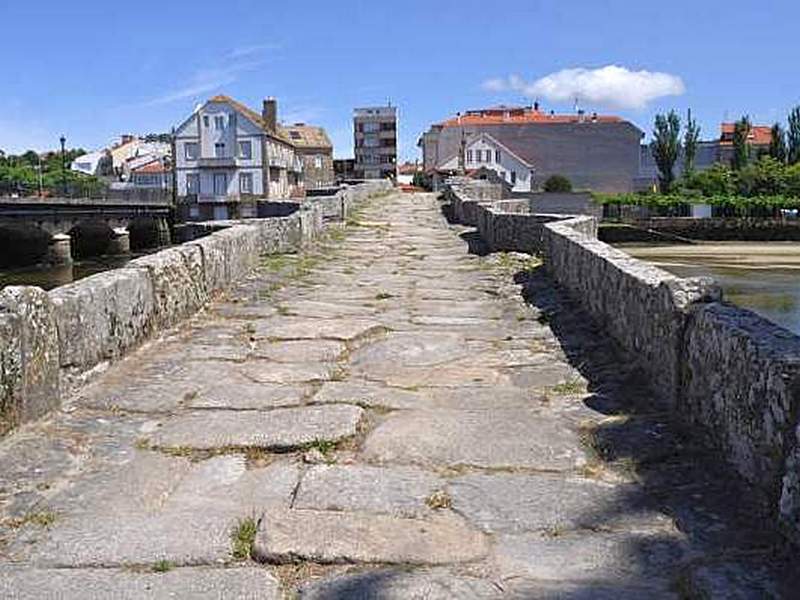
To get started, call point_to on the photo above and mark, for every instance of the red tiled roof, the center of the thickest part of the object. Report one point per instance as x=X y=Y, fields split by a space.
x=504 y=115
x=152 y=167
x=760 y=135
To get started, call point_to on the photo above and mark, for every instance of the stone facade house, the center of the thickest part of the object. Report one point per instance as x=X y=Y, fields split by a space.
x=595 y=152
x=315 y=149
x=228 y=155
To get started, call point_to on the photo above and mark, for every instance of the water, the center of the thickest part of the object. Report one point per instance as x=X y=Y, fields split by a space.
x=764 y=277
x=51 y=277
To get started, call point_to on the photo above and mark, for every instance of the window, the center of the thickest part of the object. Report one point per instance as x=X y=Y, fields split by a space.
x=469 y=156
x=219 y=150
x=318 y=161
x=513 y=177
x=205 y=121
x=245 y=183
x=497 y=156
x=295 y=135
x=192 y=183
x=219 y=122
x=220 y=184
x=246 y=149
x=371 y=127
x=190 y=150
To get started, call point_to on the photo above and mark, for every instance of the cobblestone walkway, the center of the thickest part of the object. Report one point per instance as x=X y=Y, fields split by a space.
x=385 y=417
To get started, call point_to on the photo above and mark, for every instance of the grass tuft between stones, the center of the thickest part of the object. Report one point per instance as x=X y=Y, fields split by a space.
x=40 y=518
x=439 y=500
x=243 y=537
x=163 y=566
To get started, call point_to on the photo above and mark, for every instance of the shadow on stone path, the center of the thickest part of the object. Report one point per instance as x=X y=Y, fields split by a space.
x=382 y=416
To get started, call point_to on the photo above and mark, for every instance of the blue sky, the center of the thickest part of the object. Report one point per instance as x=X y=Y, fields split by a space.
x=95 y=69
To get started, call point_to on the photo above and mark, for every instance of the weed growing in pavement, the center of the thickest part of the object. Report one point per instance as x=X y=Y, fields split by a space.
x=243 y=537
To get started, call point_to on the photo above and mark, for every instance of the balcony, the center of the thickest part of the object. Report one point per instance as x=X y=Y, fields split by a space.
x=217 y=162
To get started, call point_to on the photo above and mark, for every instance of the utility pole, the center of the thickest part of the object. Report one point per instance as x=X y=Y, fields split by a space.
x=63 y=141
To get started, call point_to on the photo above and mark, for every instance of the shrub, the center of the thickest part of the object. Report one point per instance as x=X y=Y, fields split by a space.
x=557 y=183
x=716 y=180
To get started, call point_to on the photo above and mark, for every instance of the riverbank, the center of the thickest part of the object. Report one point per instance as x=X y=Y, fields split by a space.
x=764 y=277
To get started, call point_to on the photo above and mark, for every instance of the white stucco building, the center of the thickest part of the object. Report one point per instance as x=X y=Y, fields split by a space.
x=484 y=151
x=227 y=154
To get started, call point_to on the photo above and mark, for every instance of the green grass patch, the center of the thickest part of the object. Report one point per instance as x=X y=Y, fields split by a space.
x=566 y=388
x=243 y=537
x=162 y=566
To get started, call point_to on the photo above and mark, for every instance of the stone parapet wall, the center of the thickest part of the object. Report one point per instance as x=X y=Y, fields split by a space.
x=729 y=374
x=50 y=340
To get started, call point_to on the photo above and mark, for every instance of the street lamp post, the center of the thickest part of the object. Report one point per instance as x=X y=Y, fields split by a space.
x=63 y=141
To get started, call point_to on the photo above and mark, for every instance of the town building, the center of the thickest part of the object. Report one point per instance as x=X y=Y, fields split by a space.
x=709 y=153
x=156 y=174
x=98 y=164
x=132 y=151
x=526 y=145
x=315 y=149
x=344 y=169
x=228 y=156
x=375 y=139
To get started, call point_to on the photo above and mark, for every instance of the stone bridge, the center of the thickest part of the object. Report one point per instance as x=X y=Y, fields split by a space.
x=53 y=225
x=390 y=411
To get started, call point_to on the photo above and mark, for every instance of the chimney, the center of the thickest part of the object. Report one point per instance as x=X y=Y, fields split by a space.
x=536 y=106
x=269 y=114
x=594 y=117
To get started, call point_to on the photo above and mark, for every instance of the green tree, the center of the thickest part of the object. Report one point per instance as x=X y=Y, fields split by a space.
x=792 y=180
x=777 y=143
x=665 y=147
x=557 y=183
x=793 y=137
x=717 y=180
x=764 y=177
x=741 y=145
x=690 y=139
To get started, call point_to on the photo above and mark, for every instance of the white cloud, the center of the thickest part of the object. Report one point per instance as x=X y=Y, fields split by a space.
x=611 y=86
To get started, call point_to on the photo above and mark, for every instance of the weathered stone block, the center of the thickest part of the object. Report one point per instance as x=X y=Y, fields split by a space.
x=178 y=280
x=29 y=373
x=101 y=317
x=741 y=377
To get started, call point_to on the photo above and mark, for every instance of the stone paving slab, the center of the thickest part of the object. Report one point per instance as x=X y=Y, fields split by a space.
x=595 y=558
x=502 y=438
x=514 y=503
x=101 y=540
x=297 y=328
x=349 y=537
x=190 y=583
x=303 y=351
x=397 y=491
x=387 y=584
x=281 y=428
x=252 y=396
x=264 y=371
x=365 y=393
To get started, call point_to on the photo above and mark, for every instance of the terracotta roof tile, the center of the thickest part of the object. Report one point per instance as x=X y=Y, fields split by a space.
x=760 y=135
x=505 y=115
x=307 y=136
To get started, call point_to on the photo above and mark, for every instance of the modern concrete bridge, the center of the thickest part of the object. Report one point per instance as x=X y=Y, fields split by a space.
x=390 y=414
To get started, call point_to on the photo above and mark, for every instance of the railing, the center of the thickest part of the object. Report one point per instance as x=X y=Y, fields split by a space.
x=217 y=162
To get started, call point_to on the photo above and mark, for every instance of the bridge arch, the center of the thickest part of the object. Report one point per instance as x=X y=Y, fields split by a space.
x=148 y=232
x=90 y=238
x=23 y=245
